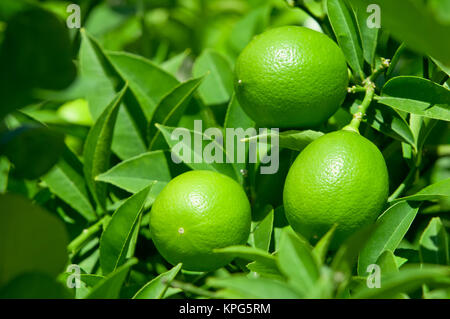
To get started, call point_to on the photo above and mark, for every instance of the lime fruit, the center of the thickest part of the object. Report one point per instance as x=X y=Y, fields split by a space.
x=340 y=178
x=291 y=77
x=199 y=211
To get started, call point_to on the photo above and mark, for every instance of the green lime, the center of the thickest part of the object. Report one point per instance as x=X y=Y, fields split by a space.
x=340 y=178
x=291 y=77
x=199 y=211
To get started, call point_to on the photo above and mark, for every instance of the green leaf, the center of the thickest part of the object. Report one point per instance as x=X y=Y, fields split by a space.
x=110 y=287
x=389 y=122
x=43 y=145
x=392 y=226
x=369 y=36
x=66 y=181
x=98 y=148
x=261 y=233
x=4 y=173
x=294 y=140
x=387 y=262
x=31 y=239
x=138 y=172
x=218 y=84
x=436 y=191
x=417 y=96
x=30 y=58
x=173 y=64
x=400 y=18
x=261 y=288
x=321 y=248
x=100 y=83
x=170 y=109
x=236 y=117
x=248 y=26
x=190 y=149
x=434 y=244
x=148 y=82
x=249 y=253
x=115 y=240
x=408 y=279
x=157 y=287
x=344 y=26
x=297 y=262
x=265 y=270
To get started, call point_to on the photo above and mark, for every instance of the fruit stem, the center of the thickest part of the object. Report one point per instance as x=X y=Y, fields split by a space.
x=79 y=241
x=358 y=116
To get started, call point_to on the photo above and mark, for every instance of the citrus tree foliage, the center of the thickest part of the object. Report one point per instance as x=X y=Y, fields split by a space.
x=85 y=122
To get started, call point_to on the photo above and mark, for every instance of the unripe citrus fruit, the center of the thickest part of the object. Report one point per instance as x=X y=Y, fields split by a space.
x=340 y=178
x=197 y=212
x=291 y=77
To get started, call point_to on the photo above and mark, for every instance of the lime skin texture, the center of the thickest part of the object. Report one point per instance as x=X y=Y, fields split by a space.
x=291 y=77
x=196 y=212
x=340 y=178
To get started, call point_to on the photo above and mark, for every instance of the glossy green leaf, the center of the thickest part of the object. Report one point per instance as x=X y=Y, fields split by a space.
x=346 y=31
x=138 y=172
x=389 y=122
x=406 y=280
x=369 y=36
x=436 y=191
x=261 y=288
x=417 y=96
x=170 y=109
x=115 y=240
x=66 y=181
x=392 y=226
x=101 y=81
x=400 y=18
x=297 y=262
x=148 y=82
x=320 y=250
x=249 y=253
x=173 y=64
x=98 y=148
x=110 y=287
x=157 y=287
x=31 y=239
x=261 y=233
x=190 y=147
x=434 y=244
x=294 y=140
x=218 y=84
x=387 y=262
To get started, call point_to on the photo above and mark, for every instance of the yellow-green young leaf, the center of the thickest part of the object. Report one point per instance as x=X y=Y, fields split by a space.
x=97 y=149
x=391 y=227
x=66 y=181
x=387 y=263
x=109 y=288
x=173 y=64
x=218 y=84
x=157 y=287
x=346 y=30
x=417 y=96
x=31 y=239
x=261 y=232
x=170 y=110
x=434 y=244
x=115 y=240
